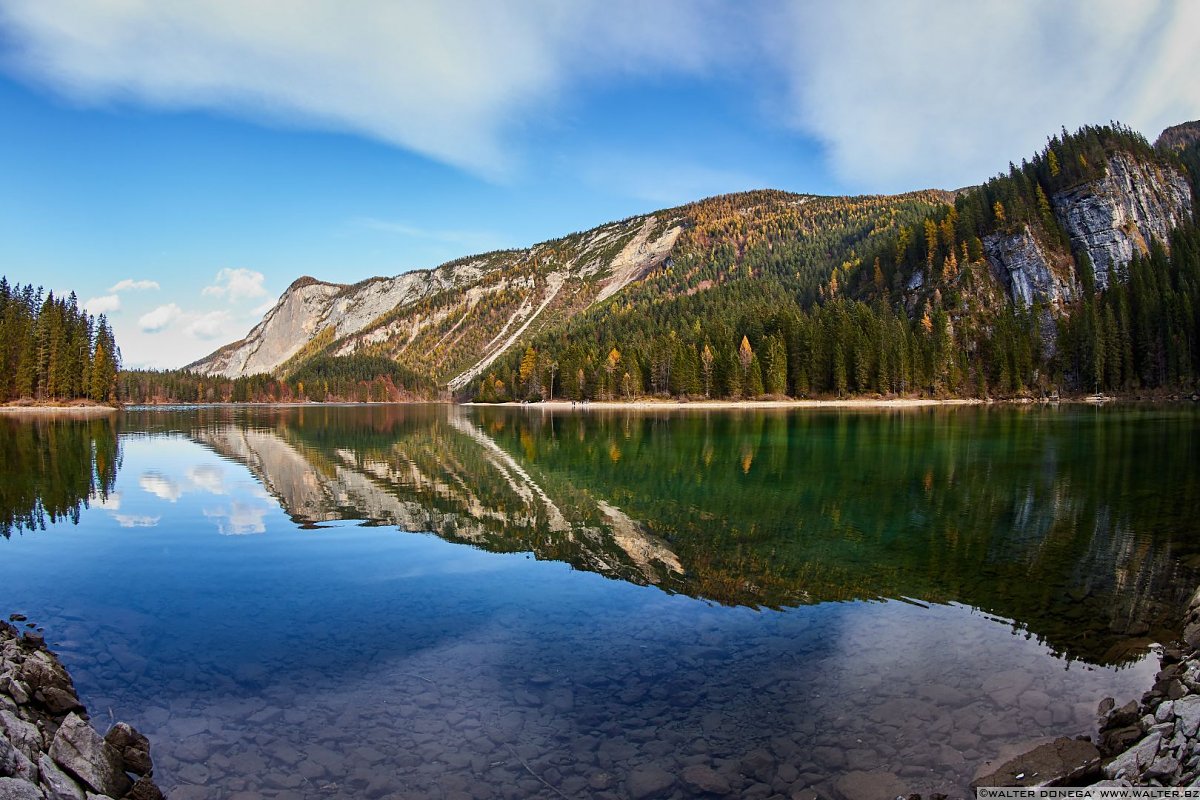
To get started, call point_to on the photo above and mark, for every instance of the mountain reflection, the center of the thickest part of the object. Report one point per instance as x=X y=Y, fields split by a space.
x=1053 y=519
x=1076 y=524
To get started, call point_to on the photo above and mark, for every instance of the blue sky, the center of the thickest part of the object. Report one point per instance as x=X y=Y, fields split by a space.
x=179 y=164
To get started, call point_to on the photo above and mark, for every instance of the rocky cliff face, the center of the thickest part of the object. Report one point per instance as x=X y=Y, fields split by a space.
x=1028 y=271
x=1116 y=218
x=1111 y=220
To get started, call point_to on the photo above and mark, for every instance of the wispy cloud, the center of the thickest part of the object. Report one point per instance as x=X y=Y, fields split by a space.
x=129 y=284
x=922 y=93
x=208 y=478
x=239 y=519
x=450 y=80
x=111 y=502
x=105 y=304
x=158 y=319
x=901 y=95
x=665 y=181
x=470 y=240
x=136 y=520
x=237 y=285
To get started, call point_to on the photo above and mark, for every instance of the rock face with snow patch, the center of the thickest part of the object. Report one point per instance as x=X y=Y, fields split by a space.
x=1117 y=217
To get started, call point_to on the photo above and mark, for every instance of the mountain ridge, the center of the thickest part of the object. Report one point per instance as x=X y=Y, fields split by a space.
x=594 y=265
x=605 y=312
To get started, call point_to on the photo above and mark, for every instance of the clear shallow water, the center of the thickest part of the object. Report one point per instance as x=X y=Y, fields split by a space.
x=597 y=595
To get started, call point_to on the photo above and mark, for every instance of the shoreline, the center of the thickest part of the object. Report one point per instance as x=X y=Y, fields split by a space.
x=850 y=402
x=638 y=404
x=48 y=410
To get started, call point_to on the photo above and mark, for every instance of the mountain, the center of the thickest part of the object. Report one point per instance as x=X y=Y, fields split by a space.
x=453 y=322
x=767 y=292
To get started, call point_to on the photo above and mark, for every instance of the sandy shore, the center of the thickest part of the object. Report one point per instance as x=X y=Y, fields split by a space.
x=664 y=405
x=58 y=411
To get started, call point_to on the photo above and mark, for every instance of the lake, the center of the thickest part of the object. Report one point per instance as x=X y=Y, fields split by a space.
x=439 y=601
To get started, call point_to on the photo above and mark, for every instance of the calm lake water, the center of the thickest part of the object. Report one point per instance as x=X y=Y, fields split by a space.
x=432 y=601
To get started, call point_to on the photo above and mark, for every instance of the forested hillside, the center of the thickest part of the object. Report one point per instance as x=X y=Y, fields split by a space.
x=50 y=349
x=995 y=294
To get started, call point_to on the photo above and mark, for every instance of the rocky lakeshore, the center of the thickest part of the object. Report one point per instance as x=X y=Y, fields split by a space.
x=48 y=748
x=1154 y=742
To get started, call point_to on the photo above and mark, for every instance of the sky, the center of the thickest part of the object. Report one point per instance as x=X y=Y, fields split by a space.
x=179 y=164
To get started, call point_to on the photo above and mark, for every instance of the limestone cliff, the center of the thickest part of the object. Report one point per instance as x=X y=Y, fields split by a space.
x=1029 y=271
x=1117 y=217
x=1110 y=220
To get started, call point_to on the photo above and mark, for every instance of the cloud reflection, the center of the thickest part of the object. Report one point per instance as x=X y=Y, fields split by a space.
x=160 y=486
x=239 y=519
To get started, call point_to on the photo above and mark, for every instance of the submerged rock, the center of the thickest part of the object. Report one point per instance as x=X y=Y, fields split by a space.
x=1052 y=764
x=648 y=781
x=705 y=780
x=877 y=785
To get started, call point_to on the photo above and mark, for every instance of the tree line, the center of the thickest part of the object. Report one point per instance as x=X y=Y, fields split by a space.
x=51 y=349
x=355 y=378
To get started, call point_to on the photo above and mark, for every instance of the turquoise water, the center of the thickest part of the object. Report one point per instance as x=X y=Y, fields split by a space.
x=396 y=601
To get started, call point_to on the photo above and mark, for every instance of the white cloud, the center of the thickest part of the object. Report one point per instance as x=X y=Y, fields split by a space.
x=104 y=304
x=160 y=486
x=159 y=318
x=237 y=284
x=450 y=80
x=212 y=325
x=908 y=95
x=130 y=284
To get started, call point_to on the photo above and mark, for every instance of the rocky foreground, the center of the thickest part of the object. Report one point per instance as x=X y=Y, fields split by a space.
x=48 y=749
x=1152 y=743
